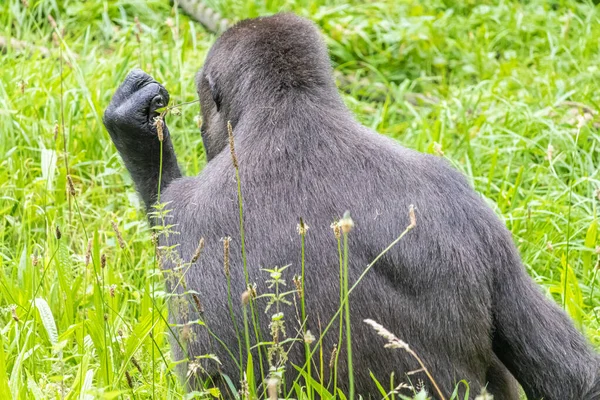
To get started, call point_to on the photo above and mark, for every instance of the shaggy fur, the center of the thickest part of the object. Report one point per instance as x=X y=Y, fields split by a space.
x=454 y=288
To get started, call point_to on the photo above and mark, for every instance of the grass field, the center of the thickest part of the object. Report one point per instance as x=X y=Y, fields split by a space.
x=507 y=91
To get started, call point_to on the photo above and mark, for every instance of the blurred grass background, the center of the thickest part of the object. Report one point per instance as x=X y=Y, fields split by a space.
x=507 y=91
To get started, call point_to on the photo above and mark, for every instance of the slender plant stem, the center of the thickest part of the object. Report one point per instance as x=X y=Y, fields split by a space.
x=360 y=278
x=348 y=330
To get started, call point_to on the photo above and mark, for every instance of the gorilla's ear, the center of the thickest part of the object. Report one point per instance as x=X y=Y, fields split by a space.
x=214 y=91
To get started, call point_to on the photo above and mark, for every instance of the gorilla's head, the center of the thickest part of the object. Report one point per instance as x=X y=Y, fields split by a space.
x=278 y=61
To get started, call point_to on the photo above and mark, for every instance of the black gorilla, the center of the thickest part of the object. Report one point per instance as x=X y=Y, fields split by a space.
x=454 y=288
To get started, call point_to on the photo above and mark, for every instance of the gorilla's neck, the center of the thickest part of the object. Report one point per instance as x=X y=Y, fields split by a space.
x=302 y=123
x=266 y=110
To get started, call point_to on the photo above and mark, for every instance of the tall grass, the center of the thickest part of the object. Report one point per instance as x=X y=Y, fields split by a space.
x=506 y=91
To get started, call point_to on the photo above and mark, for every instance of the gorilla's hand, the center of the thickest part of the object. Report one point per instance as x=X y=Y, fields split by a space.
x=130 y=120
x=131 y=113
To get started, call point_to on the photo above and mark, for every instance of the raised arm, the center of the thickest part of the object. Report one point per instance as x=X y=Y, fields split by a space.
x=130 y=121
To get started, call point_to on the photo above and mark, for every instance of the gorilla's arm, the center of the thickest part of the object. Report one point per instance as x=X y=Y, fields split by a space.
x=130 y=120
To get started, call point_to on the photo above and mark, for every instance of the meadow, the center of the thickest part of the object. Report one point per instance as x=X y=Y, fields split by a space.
x=507 y=91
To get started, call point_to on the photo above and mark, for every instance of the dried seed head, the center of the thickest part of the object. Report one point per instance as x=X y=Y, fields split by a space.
x=22 y=86
x=52 y=21
x=58 y=233
x=549 y=152
x=246 y=297
x=103 y=261
x=298 y=283
x=159 y=125
x=138 y=29
x=226 y=243
x=88 y=253
x=111 y=290
x=309 y=338
x=198 y=251
x=393 y=341
x=186 y=333
x=25 y=3
x=412 y=216
x=34 y=259
x=333 y=356
x=136 y=20
x=249 y=294
x=302 y=228
x=55 y=40
x=118 y=233
x=129 y=380
x=193 y=368
x=252 y=289
x=13 y=311
x=55 y=131
x=337 y=231
x=231 y=146
x=199 y=306
x=244 y=388
x=71 y=186
x=136 y=364
x=484 y=395
x=346 y=223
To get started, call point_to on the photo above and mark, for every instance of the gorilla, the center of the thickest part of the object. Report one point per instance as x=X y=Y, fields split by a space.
x=453 y=288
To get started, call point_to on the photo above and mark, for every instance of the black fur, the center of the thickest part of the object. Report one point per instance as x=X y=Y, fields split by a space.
x=454 y=288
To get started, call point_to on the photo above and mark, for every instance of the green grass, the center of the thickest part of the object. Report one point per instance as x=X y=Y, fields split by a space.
x=498 y=87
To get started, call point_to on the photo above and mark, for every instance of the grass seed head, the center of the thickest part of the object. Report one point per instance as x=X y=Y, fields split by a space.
x=136 y=364
x=231 y=145
x=337 y=231
x=88 y=253
x=302 y=228
x=198 y=251
x=309 y=338
x=199 y=306
x=412 y=216
x=58 y=233
x=129 y=379
x=71 y=186
x=138 y=30
x=226 y=244
x=13 y=311
x=52 y=21
x=103 y=261
x=346 y=223
x=393 y=341
x=549 y=152
x=333 y=356
x=118 y=233
x=159 y=125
